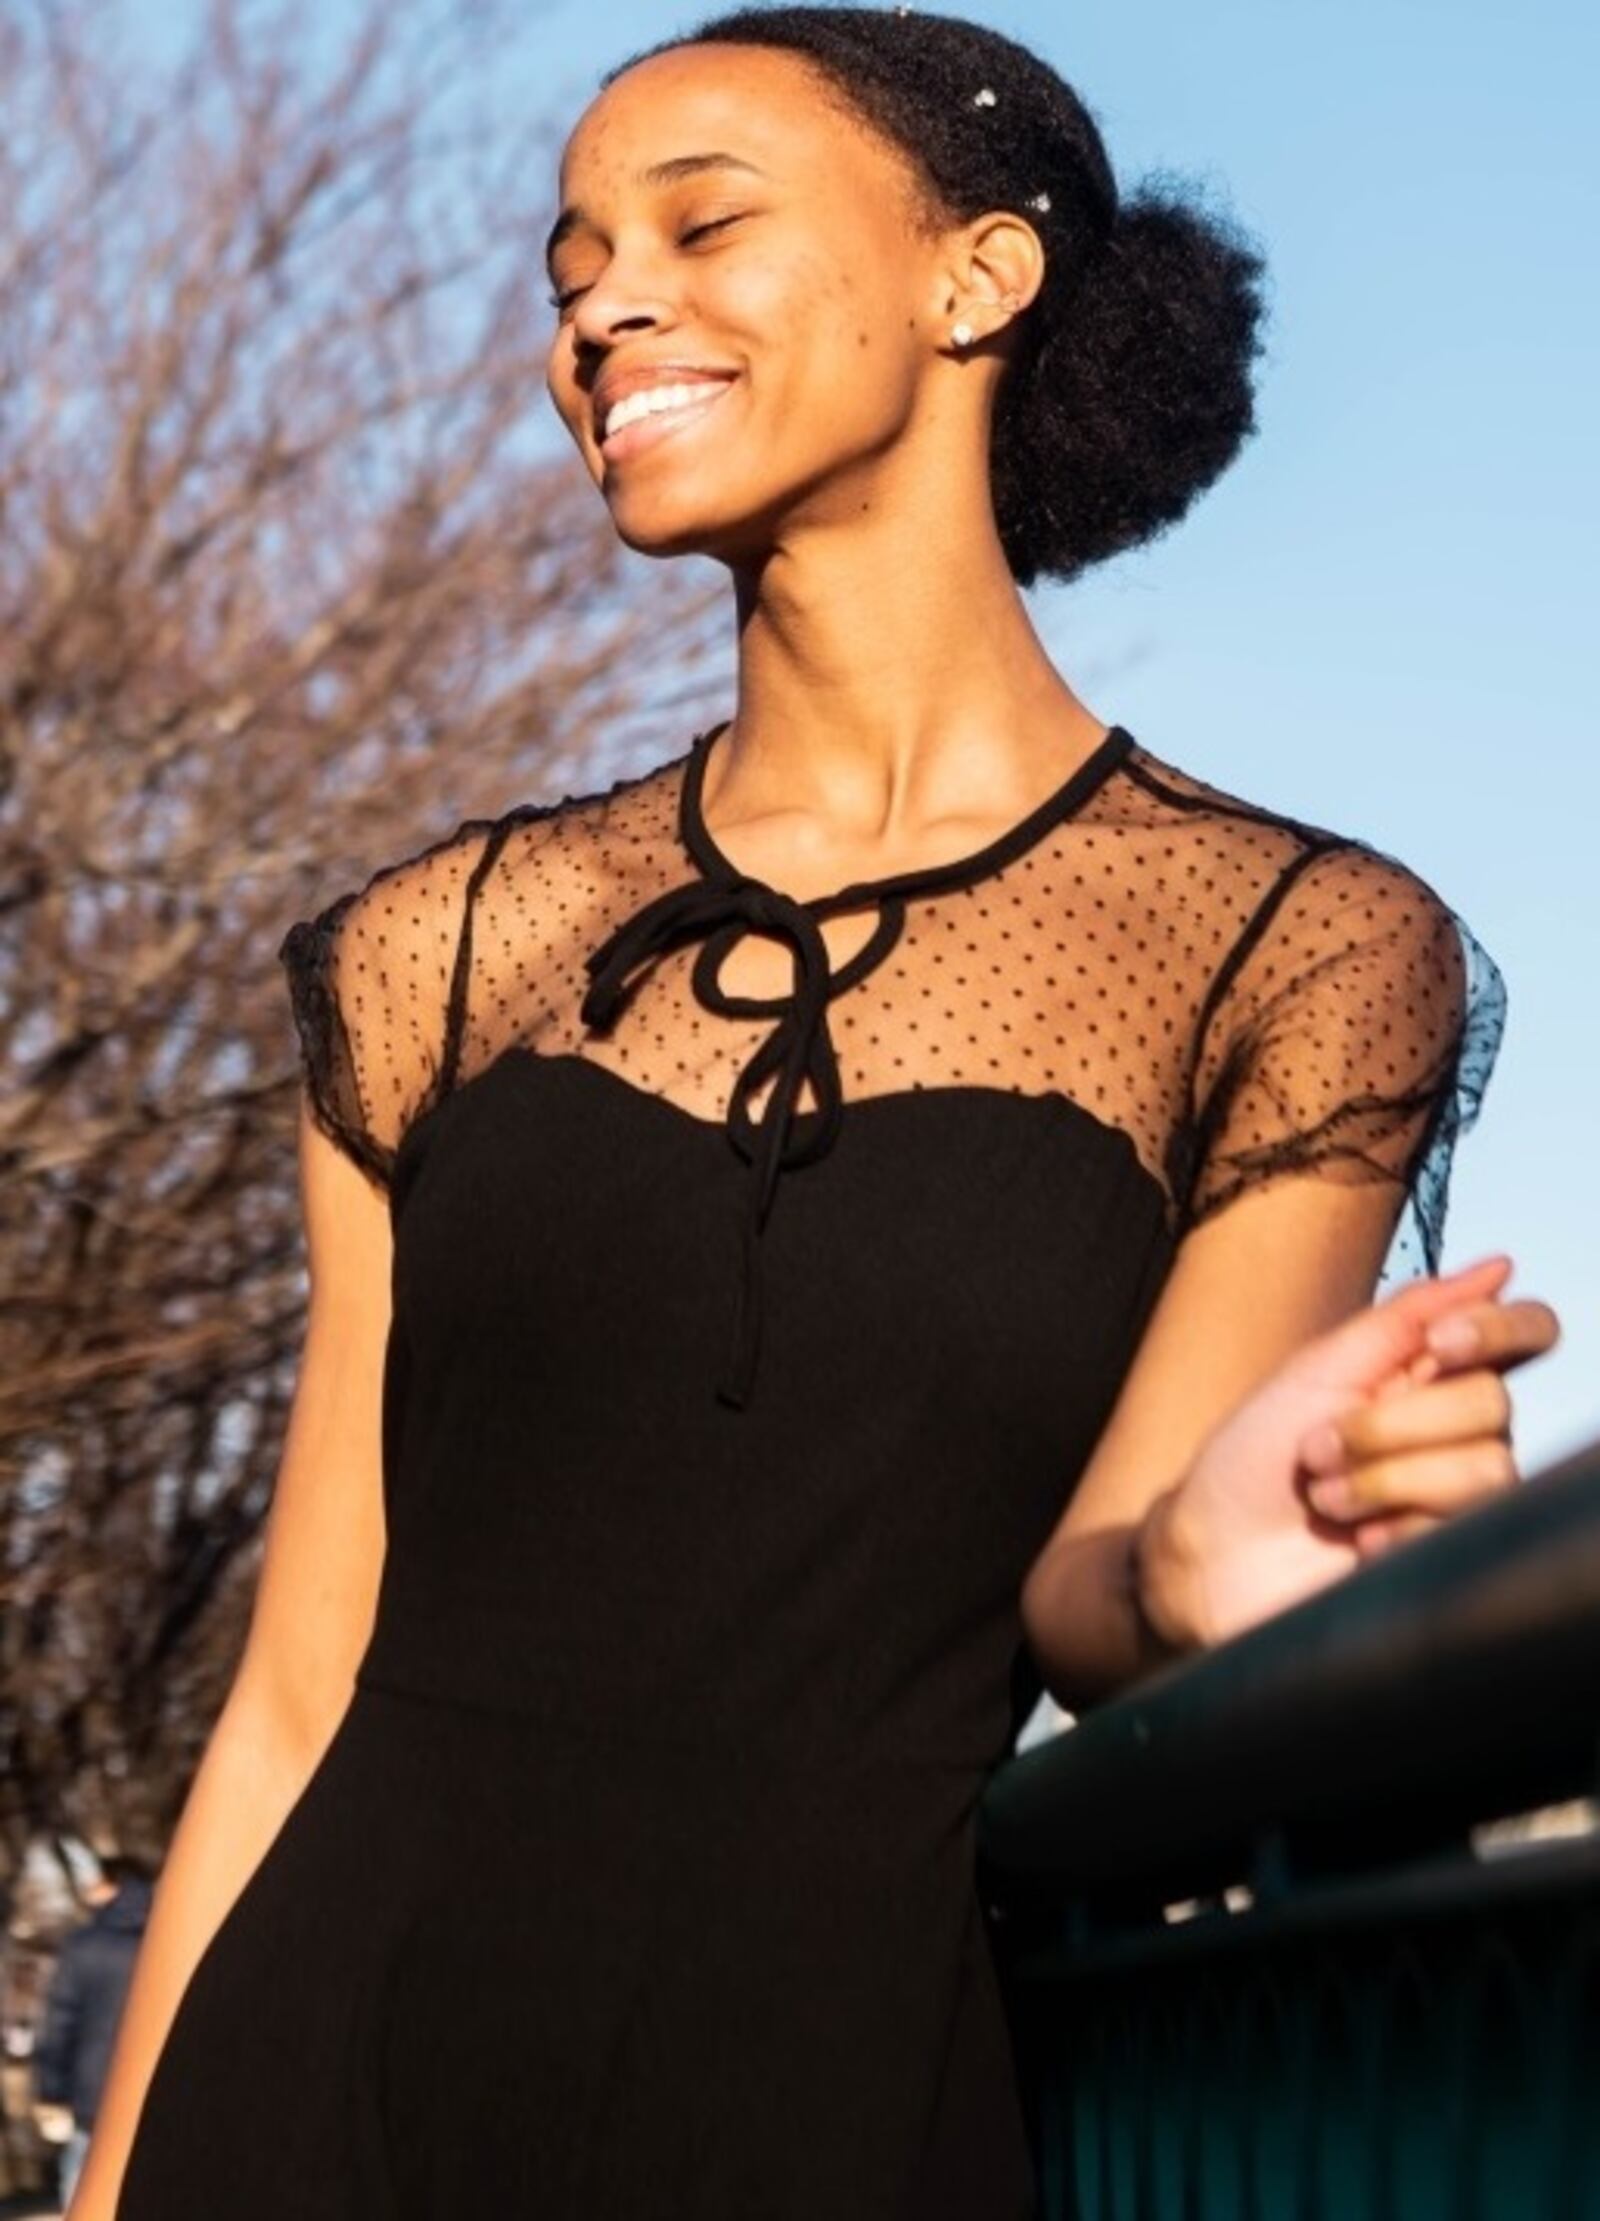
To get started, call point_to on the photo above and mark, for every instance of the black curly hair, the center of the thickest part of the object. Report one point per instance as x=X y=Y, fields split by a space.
x=1130 y=388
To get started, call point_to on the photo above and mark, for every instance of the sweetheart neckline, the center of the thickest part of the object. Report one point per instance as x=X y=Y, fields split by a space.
x=1053 y=1100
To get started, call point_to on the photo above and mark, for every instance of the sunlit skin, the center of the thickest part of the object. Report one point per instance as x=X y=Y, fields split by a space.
x=896 y=708
x=895 y=704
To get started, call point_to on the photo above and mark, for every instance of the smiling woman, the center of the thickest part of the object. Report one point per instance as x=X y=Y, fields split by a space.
x=1125 y=387
x=863 y=1220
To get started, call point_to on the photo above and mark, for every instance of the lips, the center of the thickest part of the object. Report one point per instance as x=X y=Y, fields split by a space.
x=661 y=425
x=609 y=390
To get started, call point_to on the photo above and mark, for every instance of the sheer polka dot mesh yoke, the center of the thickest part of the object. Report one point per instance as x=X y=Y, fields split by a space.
x=1241 y=995
x=1357 y=1021
x=378 y=985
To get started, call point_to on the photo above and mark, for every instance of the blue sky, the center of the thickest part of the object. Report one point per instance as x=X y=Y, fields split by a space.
x=1373 y=620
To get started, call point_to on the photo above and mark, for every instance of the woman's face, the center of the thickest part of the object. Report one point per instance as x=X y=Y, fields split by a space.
x=798 y=282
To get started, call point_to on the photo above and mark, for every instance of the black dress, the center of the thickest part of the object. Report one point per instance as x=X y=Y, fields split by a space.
x=745 y=1349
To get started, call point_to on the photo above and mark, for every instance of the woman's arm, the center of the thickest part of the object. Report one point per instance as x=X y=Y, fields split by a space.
x=310 y=1621
x=1190 y=1521
x=1094 y=1613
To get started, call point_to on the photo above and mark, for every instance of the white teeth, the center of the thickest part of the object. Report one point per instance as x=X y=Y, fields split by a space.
x=651 y=400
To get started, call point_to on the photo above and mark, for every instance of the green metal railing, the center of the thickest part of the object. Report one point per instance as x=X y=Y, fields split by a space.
x=1266 y=1953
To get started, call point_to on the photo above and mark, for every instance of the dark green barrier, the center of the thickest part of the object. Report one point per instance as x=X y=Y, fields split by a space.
x=1366 y=2009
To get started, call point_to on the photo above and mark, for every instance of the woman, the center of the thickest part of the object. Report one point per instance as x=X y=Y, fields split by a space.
x=881 y=1212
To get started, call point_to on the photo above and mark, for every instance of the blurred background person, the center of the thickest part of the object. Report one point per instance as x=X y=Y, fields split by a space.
x=83 y=2006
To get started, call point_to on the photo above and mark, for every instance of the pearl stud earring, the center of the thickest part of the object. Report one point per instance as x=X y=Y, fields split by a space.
x=961 y=335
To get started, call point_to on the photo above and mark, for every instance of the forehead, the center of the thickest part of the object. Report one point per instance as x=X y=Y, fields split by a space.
x=764 y=104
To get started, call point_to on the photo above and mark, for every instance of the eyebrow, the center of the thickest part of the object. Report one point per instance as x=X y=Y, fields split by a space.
x=676 y=166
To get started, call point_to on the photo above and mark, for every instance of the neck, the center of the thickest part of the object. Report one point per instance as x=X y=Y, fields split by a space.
x=890 y=675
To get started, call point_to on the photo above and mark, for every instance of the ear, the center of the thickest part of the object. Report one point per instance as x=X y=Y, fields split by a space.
x=995 y=263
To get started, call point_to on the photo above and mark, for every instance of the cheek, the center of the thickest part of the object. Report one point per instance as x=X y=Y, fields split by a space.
x=806 y=301
x=557 y=382
x=576 y=413
x=841 y=308
x=560 y=382
x=846 y=369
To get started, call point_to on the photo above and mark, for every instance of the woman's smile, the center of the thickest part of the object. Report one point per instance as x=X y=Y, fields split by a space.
x=688 y=410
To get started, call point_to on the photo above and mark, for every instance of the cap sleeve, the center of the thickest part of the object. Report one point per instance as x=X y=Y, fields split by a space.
x=1353 y=1037
x=377 y=991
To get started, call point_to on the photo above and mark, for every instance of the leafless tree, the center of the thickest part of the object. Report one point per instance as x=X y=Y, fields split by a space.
x=295 y=573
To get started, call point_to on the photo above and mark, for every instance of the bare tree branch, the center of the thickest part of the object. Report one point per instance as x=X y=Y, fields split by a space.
x=291 y=581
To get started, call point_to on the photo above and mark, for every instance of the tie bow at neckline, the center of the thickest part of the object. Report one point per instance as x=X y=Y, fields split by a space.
x=721 y=905
x=798 y=1048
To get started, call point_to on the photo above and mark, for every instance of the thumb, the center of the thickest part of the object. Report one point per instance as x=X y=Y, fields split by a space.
x=1375 y=1342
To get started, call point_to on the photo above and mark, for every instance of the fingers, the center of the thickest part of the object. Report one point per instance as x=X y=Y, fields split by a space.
x=1503 y=1334
x=1495 y=1333
x=1445 y=1291
x=1444 y=1478
x=1374 y=1538
x=1436 y=1450
x=1447 y=1411
x=1387 y=1336
x=1432 y=1435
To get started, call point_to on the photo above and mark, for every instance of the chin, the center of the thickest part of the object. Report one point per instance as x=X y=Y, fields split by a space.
x=648 y=536
x=661 y=526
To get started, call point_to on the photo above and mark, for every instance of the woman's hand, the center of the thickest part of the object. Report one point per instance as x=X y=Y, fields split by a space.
x=1394 y=1420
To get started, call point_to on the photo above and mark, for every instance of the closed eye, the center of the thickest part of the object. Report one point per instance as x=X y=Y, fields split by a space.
x=716 y=224
x=560 y=300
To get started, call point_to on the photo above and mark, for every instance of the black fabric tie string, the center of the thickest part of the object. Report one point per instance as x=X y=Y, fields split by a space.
x=799 y=1048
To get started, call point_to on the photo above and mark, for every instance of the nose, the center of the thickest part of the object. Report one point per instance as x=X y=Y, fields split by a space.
x=631 y=292
x=602 y=332
x=595 y=337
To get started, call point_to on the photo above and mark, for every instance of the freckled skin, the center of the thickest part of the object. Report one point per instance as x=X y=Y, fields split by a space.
x=825 y=254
